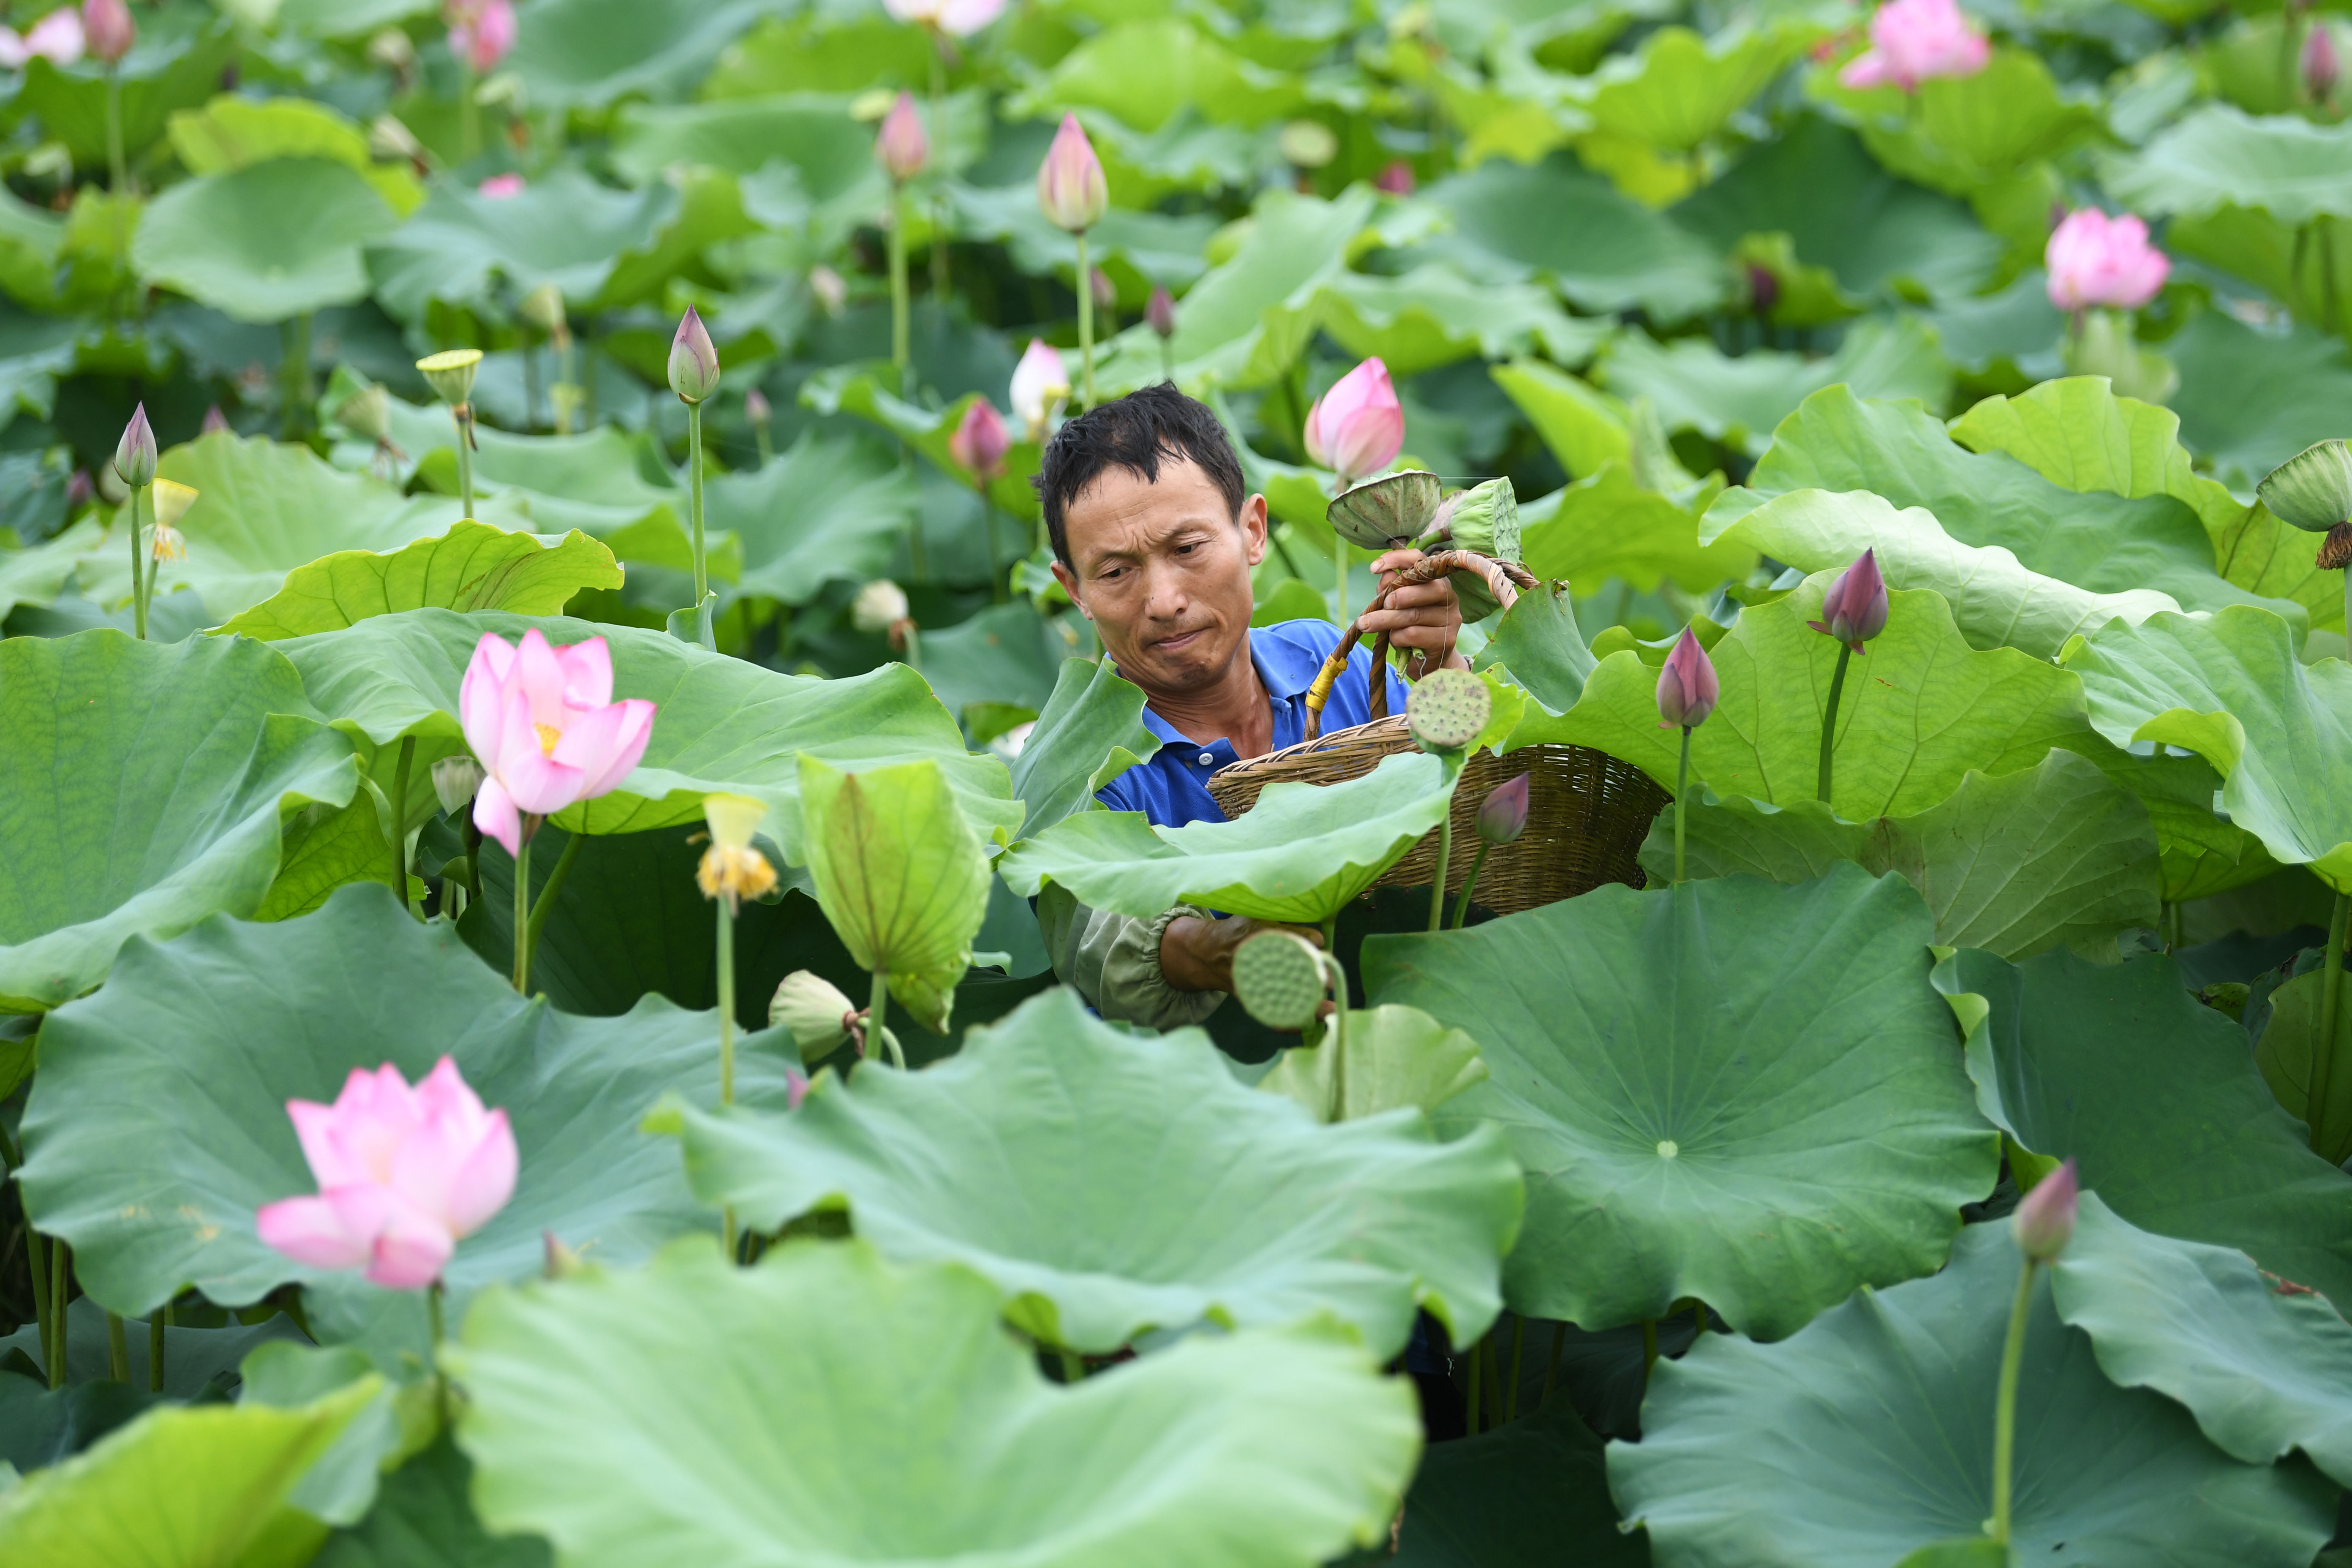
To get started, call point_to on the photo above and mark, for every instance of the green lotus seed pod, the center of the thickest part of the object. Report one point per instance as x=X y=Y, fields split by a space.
x=1384 y=513
x=1448 y=709
x=451 y=372
x=1484 y=519
x=814 y=1011
x=2313 y=489
x=1279 y=978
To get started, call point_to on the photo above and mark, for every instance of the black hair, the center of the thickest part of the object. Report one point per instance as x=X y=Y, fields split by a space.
x=1134 y=433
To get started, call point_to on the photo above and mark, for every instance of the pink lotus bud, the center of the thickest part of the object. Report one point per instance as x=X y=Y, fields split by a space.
x=79 y=489
x=1106 y=291
x=1763 y=288
x=1071 y=189
x=1503 y=815
x=1855 y=606
x=1357 y=428
x=756 y=407
x=900 y=146
x=693 y=361
x=482 y=32
x=404 y=1176
x=500 y=188
x=980 y=440
x=2045 y=1217
x=2320 y=67
x=134 y=454
x=828 y=288
x=543 y=724
x=2094 y=260
x=1161 y=313
x=1687 y=688
x=1396 y=178
x=215 y=422
x=106 y=30
x=1912 y=41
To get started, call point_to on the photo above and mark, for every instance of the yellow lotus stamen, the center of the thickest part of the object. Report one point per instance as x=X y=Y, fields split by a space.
x=734 y=874
x=547 y=735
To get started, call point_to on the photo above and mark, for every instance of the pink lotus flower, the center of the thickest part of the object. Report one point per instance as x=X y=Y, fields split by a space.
x=500 y=188
x=901 y=147
x=404 y=1176
x=1071 y=189
x=1854 y=609
x=482 y=32
x=543 y=724
x=1687 y=688
x=56 y=37
x=979 y=441
x=957 y=18
x=1912 y=41
x=1357 y=428
x=2094 y=260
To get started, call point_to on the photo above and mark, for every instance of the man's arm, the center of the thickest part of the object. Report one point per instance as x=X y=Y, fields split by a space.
x=1162 y=973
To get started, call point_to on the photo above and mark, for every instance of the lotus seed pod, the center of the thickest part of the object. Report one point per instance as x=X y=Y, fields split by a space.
x=544 y=308
x=451 y=373
x=1448 y=709
x=2313 y=489
x=1384 y=513
x=1484 y=520
x=367 y=413
x=1279 y=978
x=814 y=1010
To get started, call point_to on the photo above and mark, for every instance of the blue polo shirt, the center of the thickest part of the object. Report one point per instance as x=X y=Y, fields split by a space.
x=1171 y=786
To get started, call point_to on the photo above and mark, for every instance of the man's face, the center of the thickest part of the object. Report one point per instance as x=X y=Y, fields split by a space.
x=1163 y=571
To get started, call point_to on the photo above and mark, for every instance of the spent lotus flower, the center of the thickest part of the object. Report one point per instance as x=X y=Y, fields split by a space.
x=1357 y=428
x=134 y=454
x=1688 y=688
x=879 y=607
x=693 y=360
x=2045 y=1220
x=981 y=440
x=731 y=868
x=56 y=37
x=830 y=290
x=543 y=724
x=2094 y=260
x=901 y=147
x=1040 y=385
x=1912 y=41
x=1071 y=189
x=106 y=30
x=482 y=32
x=956 y=18
x=172 y=500
x=1854 y=609
x=816 y=1012
x=456 y=781
x=404 y=1176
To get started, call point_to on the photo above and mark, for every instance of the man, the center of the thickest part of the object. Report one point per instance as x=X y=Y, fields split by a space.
x=1153 y=541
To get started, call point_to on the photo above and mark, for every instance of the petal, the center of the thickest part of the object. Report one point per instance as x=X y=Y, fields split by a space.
x=543 y=786
x=538 y=676
x=495 y=814
x=410 y=1253
x=605 y=744
x=486 y=1180
x=443 y=1092
x=361 y=1208
x=479 y=704
x=308 y=1231
x=1865 y=69
x=314 y=1125
x=587 y=673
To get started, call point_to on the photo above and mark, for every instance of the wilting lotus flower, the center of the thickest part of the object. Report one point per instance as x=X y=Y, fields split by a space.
x=957 y=18
x=2045 y=1217
x=404 y=1176
x=544 y=723
x=731 y=868
x=172 y=504
x=1854 y=609
x=693 y=360
x=56 y=37
x=2320 y=67
x=900 y=146
x=981 y=440
x=1912 y=41
x=1159 y=312
x=1040 y=385
x=107 y=30
x=1687 y=688
x=482 y=32
x=1357 y=428
x=1503 y=815
x=1071 y=189
x=500 y=188
x=134 y=454
x=2094 y=260
x=879 y=607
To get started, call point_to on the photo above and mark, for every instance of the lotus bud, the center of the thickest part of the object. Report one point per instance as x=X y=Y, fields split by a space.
x=134 y=454
x=1161 y=313
x=1763 y=288
x=815 y=1012
x=450 y=373
x=1279 y=977
x=879 y=606
x=544 y=308
x=828 y=288
x=1503 y=815
x=901 y=147
x=1687 y=688
x=395 y=51
x=693 y=361
x=731 y=868
x=481 y=33
x=1854 y=609
x=559 y=1262
x=981 y=440
x=79 y=489
x=107 y=30
x=2045 y=1217
x=1358 y=427
x=1071 y=189
x=1395 y=178
x=172 y=504
x=456 y=781
x=215 y=422
x=1106 y=291
x=2320 y=67
x=757 y=410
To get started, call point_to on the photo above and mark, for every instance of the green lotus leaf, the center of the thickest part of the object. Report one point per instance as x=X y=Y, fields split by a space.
x=2218 y=155
x=340 y=1487
x=233 y=132
x=1007 y=656
x=1172 y=1195
x=1300 y=854
x=158 y=1122
x=720 y=724
x=807 y=52
x=1162 y=247
x=2249 y=400
x=2289 y=1046
x=471 y=567
x=1611 y=525
x=928 y=431
x=1516 y=1496
x=1961 y=1552
x=1803 y=1131
x=424 y=1518
x=2230 y=688
x=609 y=485
x=176 y=64
x=345 y=18
x=899 y=873
x=2050 y=855
x=2041 y=1049
x=2077 y=433
x=35 y=351
x=1740 y=401
x=1144 y=70
x=1584 y=427
x=826 y=510
x=1433 y=316
x=1090 y=732
x=1996 y=600
x=1553 y=220
x=1680 y=88
x=38 y=574
x=790 y=1413
x=2264 y=1370
x=588 y=53
x=1397 y=1057
x=2103 y=1474
x=1962 y=134
x=183 y=1487
x=1919 y=712
x=563 y=229
x=145 y=784
x=1541 y=649
x=265 y=242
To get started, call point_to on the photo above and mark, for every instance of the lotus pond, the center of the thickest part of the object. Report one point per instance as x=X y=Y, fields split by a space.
x=543 y=754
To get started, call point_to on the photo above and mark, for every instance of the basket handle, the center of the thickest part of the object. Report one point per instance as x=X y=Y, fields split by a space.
x=1504 y=578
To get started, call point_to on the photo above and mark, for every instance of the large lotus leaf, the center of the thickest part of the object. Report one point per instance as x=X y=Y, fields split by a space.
x=2076 y=432
x=826 y=510
x=175 y=63
x=930 y=431
x=1433 y=315
x=2289 y=1044
x=1729 y=1090
x=1963 y=134
x=1112 y=1183
x=2056 y=853
x=35 y=351
x=1996 y=600
x=1395 y=1058
x=424 y=1518
x=158 y=1120
x=1533 y=1493
x=2249 y=400
x=233 y=132
x=471 y=567
x=830 y=154
x=2105 y=1477
x=2108 y=543
x=1090 y=732
x=721 y=723
x=142 y=787
x=2221 y=156
x=1740 y=401
x=2178 y=1133
x=603 y=482
x=1680 y=88
x=183 y=1487
x=1584 y=427
x=38 y=573
x=813 y=51
x=1144 y=70
x=272 y=241
x=1919 y=711
x=1602 y=250
x=1609 y=526
x=824 y=1407
x=326 y=848
x=2230 y=688
x=1301 y=854
x=1541 y=649
x=1162 y=247
x=2264 y=1368
x=563 y=229
x=588 y=53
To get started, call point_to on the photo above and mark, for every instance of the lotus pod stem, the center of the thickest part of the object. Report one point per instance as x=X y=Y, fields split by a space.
x=523 y=907
x=60 y=1282
x=117 y=1350
x=1085 y=288
x=138 y=570
x=2331 y=1002
x=1503 y=578
x=544 y=905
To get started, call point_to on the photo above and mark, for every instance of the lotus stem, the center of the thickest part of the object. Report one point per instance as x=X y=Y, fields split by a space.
x=877 y=1008
x=1551 y=1371
x=37 y=1254
x=899 y=331
x=1338 y=979
x=138 y=570
x=726 y=1003
x=1511 y=1389
x=544 y=905
x=2331 y=999
x=1445 y=854
x=440 y=1379
x=118 y=169
x=1682 y=789
x=1649 y=1352
x=155 y=1349
x=1462 y=904
x=2327 y=226
x=59 y=1283
x=703 y=630
x=1339 y=572
x=996 y=589
x=469 y=114
x=463 y=413
x=1086 y=320
x=767 y=445
x=1073 y=1366
x=295 y=376
x=117 y=1350
x=1829 y=721
x=1477 y=1355
x=522 y=909
x=2004 y=1412
x=400 y=824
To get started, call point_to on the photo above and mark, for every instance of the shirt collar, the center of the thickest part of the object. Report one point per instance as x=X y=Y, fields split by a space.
x=1285 y=667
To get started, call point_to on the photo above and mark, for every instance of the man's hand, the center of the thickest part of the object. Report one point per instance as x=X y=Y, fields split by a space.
x=1197 y=955
x=1423 y=618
